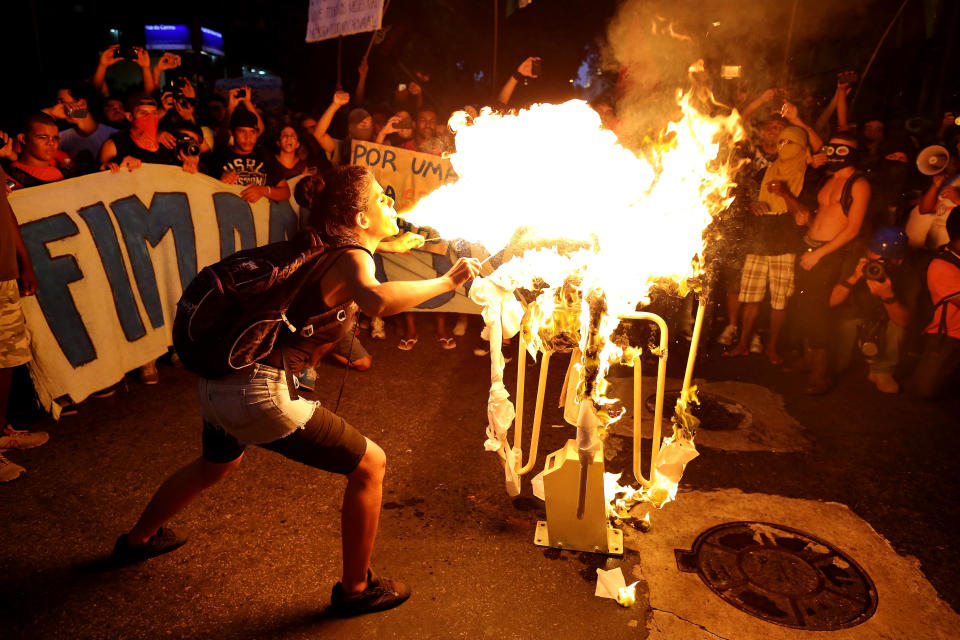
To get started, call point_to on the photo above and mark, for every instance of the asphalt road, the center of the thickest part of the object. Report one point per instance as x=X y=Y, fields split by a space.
x=264 y=543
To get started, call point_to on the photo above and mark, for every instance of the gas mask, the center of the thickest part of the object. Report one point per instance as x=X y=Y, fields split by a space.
x=839 y=155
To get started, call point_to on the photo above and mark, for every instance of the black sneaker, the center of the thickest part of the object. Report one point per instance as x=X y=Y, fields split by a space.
x=163 y=541
x=380 y=594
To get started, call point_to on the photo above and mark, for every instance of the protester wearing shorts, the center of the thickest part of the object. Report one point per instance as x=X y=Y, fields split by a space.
x=254 y=405
x=771 y=263
x=16 y=277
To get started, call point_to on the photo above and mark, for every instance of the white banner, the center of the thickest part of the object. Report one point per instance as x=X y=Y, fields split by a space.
x=113 y=253
x=332 y=18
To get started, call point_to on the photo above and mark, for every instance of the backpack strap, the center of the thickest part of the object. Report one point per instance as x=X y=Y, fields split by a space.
x=942 y=328
x=23 y=178
x=846 y=194
x=947 y=255
x=291 y=381
x=324 y=265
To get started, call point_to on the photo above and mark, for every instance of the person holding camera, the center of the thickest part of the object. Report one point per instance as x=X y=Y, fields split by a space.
x=84 y=137
x=167 y=62
x=188 y=144
x=875 y=299
x=116 y=53
x=397 y=131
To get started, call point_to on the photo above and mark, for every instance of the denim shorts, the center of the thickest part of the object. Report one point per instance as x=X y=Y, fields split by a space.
x=253 y=406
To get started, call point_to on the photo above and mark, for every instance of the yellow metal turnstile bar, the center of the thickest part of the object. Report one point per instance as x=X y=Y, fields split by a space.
x=638 y=399
x=656 y=436
x=538 y=409
x=572 y=487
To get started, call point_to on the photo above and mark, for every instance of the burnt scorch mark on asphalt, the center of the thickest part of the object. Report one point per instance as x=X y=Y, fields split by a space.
x=552 y=553
x=526 y=503
x=591 y=562
x=715 y=413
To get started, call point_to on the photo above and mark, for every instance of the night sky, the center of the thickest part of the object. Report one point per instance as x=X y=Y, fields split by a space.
x=453 y=41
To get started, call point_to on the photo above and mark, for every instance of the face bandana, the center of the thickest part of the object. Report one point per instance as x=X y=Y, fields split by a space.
x=787 y=149
x=143 y=131
x=361 y=133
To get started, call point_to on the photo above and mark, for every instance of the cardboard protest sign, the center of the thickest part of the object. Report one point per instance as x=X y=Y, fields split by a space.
x=406 y=176
x=332 y=18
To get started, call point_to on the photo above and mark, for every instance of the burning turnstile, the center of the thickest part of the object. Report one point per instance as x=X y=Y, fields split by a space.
x=573 y=477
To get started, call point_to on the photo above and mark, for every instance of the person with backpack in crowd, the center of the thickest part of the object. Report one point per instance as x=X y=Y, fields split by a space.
x=841 y=205
x=258 y=404
x=940 y=342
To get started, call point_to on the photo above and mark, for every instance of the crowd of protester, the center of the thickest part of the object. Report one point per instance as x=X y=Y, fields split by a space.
x=837 y=245
x=843 y=234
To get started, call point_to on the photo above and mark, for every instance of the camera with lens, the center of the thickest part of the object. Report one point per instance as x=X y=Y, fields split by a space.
x=875 y=270
x=187 y=145
x=186 y=103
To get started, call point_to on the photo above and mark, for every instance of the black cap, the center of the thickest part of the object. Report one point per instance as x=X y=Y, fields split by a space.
x=242 y=117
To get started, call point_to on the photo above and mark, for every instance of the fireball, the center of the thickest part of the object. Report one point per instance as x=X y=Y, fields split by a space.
x=587 y=227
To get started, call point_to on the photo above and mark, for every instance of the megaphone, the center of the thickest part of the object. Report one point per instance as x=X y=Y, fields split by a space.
x=933 y=160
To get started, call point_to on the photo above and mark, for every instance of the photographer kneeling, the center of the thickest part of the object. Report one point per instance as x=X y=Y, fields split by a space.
x=875 y=300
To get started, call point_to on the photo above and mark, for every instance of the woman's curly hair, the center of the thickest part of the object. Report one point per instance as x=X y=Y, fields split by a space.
x=334 y=200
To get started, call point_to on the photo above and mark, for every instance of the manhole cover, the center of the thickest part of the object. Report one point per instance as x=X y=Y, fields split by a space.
x=781 y=575
x=715 y=413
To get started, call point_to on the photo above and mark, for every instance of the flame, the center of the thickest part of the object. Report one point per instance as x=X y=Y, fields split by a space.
x=586 y=225
x=551 y=175
x=620 y=498
x=627 y=595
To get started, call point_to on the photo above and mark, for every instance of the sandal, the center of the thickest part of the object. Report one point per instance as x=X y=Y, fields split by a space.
x=406 y=344
x=447 y=343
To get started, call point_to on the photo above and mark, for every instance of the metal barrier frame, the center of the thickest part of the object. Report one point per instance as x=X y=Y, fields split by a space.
x=523 y=469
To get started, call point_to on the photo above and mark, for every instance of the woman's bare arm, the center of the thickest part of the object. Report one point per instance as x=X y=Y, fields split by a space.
x=352 y=278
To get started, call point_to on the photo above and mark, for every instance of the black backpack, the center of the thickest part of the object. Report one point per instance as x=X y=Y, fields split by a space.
x=232 y=312
x=947 y=255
